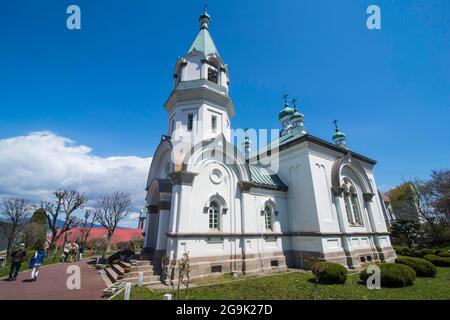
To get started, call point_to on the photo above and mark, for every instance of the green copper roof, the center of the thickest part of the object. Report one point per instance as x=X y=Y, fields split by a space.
x=204 y=43
x=263 y=176
x=287 y=111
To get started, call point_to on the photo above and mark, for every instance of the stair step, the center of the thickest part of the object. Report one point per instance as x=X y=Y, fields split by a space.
x=144 y=263
x=142 y=268
x=124 y=264
x=111 y=274
x=136 y=274
x=117 y=268
x=105 y=278
x=148 y=279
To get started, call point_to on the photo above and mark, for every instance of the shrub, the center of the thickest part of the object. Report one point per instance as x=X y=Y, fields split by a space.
x=409 y=252
x=123 y=245
x=437 y=260
x=427 y=251
x=444 y=254
x=329 y=272
x=393 y=275
x=423 y=268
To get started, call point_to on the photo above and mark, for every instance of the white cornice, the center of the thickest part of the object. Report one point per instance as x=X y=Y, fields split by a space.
x=200 y=90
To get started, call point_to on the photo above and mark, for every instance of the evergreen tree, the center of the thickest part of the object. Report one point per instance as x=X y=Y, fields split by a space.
x=35 y=232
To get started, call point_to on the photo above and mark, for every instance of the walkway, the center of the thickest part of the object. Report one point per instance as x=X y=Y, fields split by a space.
x=51 y=284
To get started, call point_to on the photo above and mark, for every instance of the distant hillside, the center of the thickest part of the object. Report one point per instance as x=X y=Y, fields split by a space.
x=60 y=223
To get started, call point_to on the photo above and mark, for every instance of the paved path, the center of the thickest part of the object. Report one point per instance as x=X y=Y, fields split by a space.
x=51 y=284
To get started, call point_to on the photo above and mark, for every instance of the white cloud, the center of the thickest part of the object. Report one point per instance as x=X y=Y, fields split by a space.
x=34 y=165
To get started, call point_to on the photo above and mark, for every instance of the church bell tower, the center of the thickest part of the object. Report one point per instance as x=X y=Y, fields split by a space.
x=199 y=107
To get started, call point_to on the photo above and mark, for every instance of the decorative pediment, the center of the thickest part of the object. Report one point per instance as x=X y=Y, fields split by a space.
x=337 y=184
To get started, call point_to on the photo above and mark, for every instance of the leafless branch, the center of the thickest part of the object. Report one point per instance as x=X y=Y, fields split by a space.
x=16 y=212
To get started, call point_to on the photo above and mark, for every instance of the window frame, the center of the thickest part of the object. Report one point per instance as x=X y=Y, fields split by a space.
x=352 y=204
x=268 y=217
x=214 y=216
x=212 y=70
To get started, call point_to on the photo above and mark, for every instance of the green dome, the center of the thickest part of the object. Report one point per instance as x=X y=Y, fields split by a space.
x=338 y=135
x=297 y=115
x=287 y=111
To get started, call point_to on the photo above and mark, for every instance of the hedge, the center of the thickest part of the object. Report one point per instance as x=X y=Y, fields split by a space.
x=437 y=260
x=423 y=268
x=329 y=272
x=393 y=275
x=444 y=254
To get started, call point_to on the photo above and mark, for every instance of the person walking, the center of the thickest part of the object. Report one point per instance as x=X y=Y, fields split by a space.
x=36 y=262
x=80 y=252
x=18 y=256
x=67 y=250
x=75 y=248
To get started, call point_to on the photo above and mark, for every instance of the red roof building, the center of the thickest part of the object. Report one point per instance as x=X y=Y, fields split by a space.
x=120 y=235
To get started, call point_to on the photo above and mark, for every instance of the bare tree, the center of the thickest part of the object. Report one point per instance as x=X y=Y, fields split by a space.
x=89 y=218
x=16 y=213
x=111 y=210
x=66 y=202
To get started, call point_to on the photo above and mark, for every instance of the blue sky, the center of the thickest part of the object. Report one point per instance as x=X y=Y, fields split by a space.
x=103 y=86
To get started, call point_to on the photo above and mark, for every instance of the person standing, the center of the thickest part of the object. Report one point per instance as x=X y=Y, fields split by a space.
x=36 y=262
x=46 y=246
x=18 y=256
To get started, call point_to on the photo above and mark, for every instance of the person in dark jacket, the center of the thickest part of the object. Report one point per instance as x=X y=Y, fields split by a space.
x=80 y=251
x=18 y=256
x=36 y=262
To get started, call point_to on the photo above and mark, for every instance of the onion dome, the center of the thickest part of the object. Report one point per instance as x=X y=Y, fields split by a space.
x=339 y=137
x=297 y=115
x=287 y=111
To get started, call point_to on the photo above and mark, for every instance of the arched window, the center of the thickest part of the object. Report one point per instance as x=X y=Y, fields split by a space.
x=213 y=74
x=213 y=213
x=268 y=217
x=351 y=200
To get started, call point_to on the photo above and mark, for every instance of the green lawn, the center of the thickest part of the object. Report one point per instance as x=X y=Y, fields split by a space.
x=297 y=286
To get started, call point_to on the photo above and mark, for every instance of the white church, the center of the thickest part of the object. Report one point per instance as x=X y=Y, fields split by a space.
x=298 y=200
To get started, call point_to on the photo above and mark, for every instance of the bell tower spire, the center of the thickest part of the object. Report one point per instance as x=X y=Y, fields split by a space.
x=199 y=106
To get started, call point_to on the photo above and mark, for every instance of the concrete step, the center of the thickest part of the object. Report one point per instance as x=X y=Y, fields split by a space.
x=111 y=274
x=144 y=263
x=147 y=280
x=105 y=278
x=142 y=268
x=117 y=268
x=136 y=274
x=124 y=264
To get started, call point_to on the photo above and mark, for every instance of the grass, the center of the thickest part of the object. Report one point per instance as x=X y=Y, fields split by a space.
x=298 y=286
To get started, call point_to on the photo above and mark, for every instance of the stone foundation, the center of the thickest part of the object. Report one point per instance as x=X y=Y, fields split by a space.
x=277 y=261
x=353 y=259
x=246 y=265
